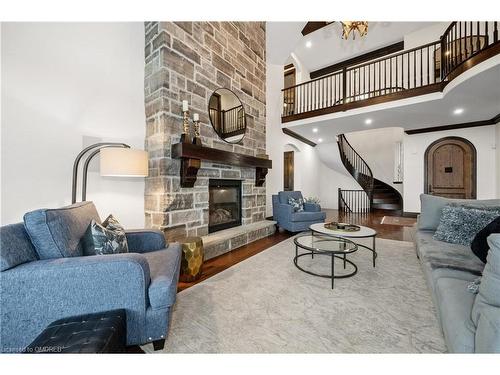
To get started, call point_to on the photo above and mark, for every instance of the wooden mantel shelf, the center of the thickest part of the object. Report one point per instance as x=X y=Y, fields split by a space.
x=191 y=156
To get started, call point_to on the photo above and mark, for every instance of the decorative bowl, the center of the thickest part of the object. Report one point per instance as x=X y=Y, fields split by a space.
x=342 y=227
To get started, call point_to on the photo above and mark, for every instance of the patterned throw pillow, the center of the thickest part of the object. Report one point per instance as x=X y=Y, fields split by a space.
x=297 y=204
x=459 y=224
x=108 y=238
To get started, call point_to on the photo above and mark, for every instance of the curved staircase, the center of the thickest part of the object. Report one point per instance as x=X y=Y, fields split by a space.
x=376 y=196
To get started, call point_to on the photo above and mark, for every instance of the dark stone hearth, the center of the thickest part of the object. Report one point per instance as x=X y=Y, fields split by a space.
x=239 y=241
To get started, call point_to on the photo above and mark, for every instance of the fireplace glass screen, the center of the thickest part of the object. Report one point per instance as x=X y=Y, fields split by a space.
x=224 y=204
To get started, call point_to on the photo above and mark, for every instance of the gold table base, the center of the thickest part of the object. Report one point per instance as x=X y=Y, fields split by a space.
x=192 y=259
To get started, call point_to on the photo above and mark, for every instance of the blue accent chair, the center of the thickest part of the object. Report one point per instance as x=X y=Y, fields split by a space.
x=292 y=221
x=46 y=277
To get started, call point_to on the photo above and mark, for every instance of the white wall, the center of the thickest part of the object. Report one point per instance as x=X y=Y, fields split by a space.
x=61 y=82
x=306 y=162
x=329 y=183
x=483 y=139
x=425 y=35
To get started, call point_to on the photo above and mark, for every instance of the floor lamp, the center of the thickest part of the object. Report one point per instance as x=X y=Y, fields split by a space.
x=117 y=160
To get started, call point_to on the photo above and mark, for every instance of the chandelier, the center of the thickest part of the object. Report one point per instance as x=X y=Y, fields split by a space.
x=349 y=27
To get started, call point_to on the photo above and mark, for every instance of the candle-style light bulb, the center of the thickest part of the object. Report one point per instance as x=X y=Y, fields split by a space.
x=196 y=117
x=185 y=105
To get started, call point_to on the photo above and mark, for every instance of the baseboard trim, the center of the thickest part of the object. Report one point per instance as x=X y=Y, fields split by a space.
x=410 y=214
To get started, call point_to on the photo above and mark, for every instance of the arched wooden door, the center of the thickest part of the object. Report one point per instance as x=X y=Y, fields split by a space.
x=450 y=168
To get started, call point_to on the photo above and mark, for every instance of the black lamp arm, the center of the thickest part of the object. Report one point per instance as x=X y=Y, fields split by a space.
x=78 y=158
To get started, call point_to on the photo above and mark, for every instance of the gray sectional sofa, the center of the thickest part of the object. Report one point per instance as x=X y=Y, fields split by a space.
x=449 y=269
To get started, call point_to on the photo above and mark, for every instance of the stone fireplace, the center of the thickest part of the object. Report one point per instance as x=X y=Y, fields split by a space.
x=188 y=61
x=224 y=204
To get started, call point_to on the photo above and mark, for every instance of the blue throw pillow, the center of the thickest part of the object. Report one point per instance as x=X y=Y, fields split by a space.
x=297 y=204
x=460 y=224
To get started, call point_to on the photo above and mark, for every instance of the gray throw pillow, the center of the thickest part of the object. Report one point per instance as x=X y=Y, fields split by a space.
x=108 y=238
x=431 y=207
x=297 y=204
x=460 y=224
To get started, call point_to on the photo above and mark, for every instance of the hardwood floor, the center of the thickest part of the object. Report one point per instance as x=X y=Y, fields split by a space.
x=218 y=264
x=215 y=265
x=373 y=220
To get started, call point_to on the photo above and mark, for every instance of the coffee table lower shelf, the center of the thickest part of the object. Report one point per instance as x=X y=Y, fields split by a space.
x=334 y=247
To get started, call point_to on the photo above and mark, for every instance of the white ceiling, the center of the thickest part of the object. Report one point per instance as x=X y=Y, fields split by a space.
x=327 y=46
x=478 y=94
x=281 y=39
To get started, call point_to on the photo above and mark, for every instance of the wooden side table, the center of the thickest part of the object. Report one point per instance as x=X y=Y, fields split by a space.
x=192 y=259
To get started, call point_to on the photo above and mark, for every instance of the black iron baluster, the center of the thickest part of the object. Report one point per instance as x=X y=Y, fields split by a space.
x=470 y=39
x=486 y=33
x=414 y=69
x=460 y=41
x=427 y=63
x=478 y=46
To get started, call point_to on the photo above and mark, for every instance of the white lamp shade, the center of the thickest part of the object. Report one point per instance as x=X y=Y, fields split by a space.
x=123 y=162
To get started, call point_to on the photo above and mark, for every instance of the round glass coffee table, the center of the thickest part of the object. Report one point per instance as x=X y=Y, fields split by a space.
x=364 y=232
x=335 y=247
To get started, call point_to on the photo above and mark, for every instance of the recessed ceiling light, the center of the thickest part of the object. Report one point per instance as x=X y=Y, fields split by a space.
x=320 y=140
x=368 y=121
x=458 y=111
x=309 y=44
x=315 y=130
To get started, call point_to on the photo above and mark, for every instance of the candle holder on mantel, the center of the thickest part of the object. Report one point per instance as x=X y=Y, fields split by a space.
x=185 y=125
x=196 y=122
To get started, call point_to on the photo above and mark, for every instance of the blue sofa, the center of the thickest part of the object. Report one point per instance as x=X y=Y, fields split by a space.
x=45 y=277
x=449 y=269
x=292 y=221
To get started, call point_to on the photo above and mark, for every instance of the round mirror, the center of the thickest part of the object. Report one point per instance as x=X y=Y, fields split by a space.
x=227 y=115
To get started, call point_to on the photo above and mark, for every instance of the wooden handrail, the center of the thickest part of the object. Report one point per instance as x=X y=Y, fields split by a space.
x=343 y=138
x=339 y=72
x=394 y=55
x=356 y=165
x=452 y=55
x=313 y=80
x=424 y=68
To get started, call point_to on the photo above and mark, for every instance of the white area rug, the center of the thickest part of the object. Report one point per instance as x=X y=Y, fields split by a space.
x=266 y=305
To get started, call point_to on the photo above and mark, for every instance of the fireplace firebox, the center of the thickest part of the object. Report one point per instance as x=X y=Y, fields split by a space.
x=224 y=204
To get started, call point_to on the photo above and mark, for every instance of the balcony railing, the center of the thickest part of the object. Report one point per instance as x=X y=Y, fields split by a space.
x=408 y=73
x=461 y=40
x=229 y=122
